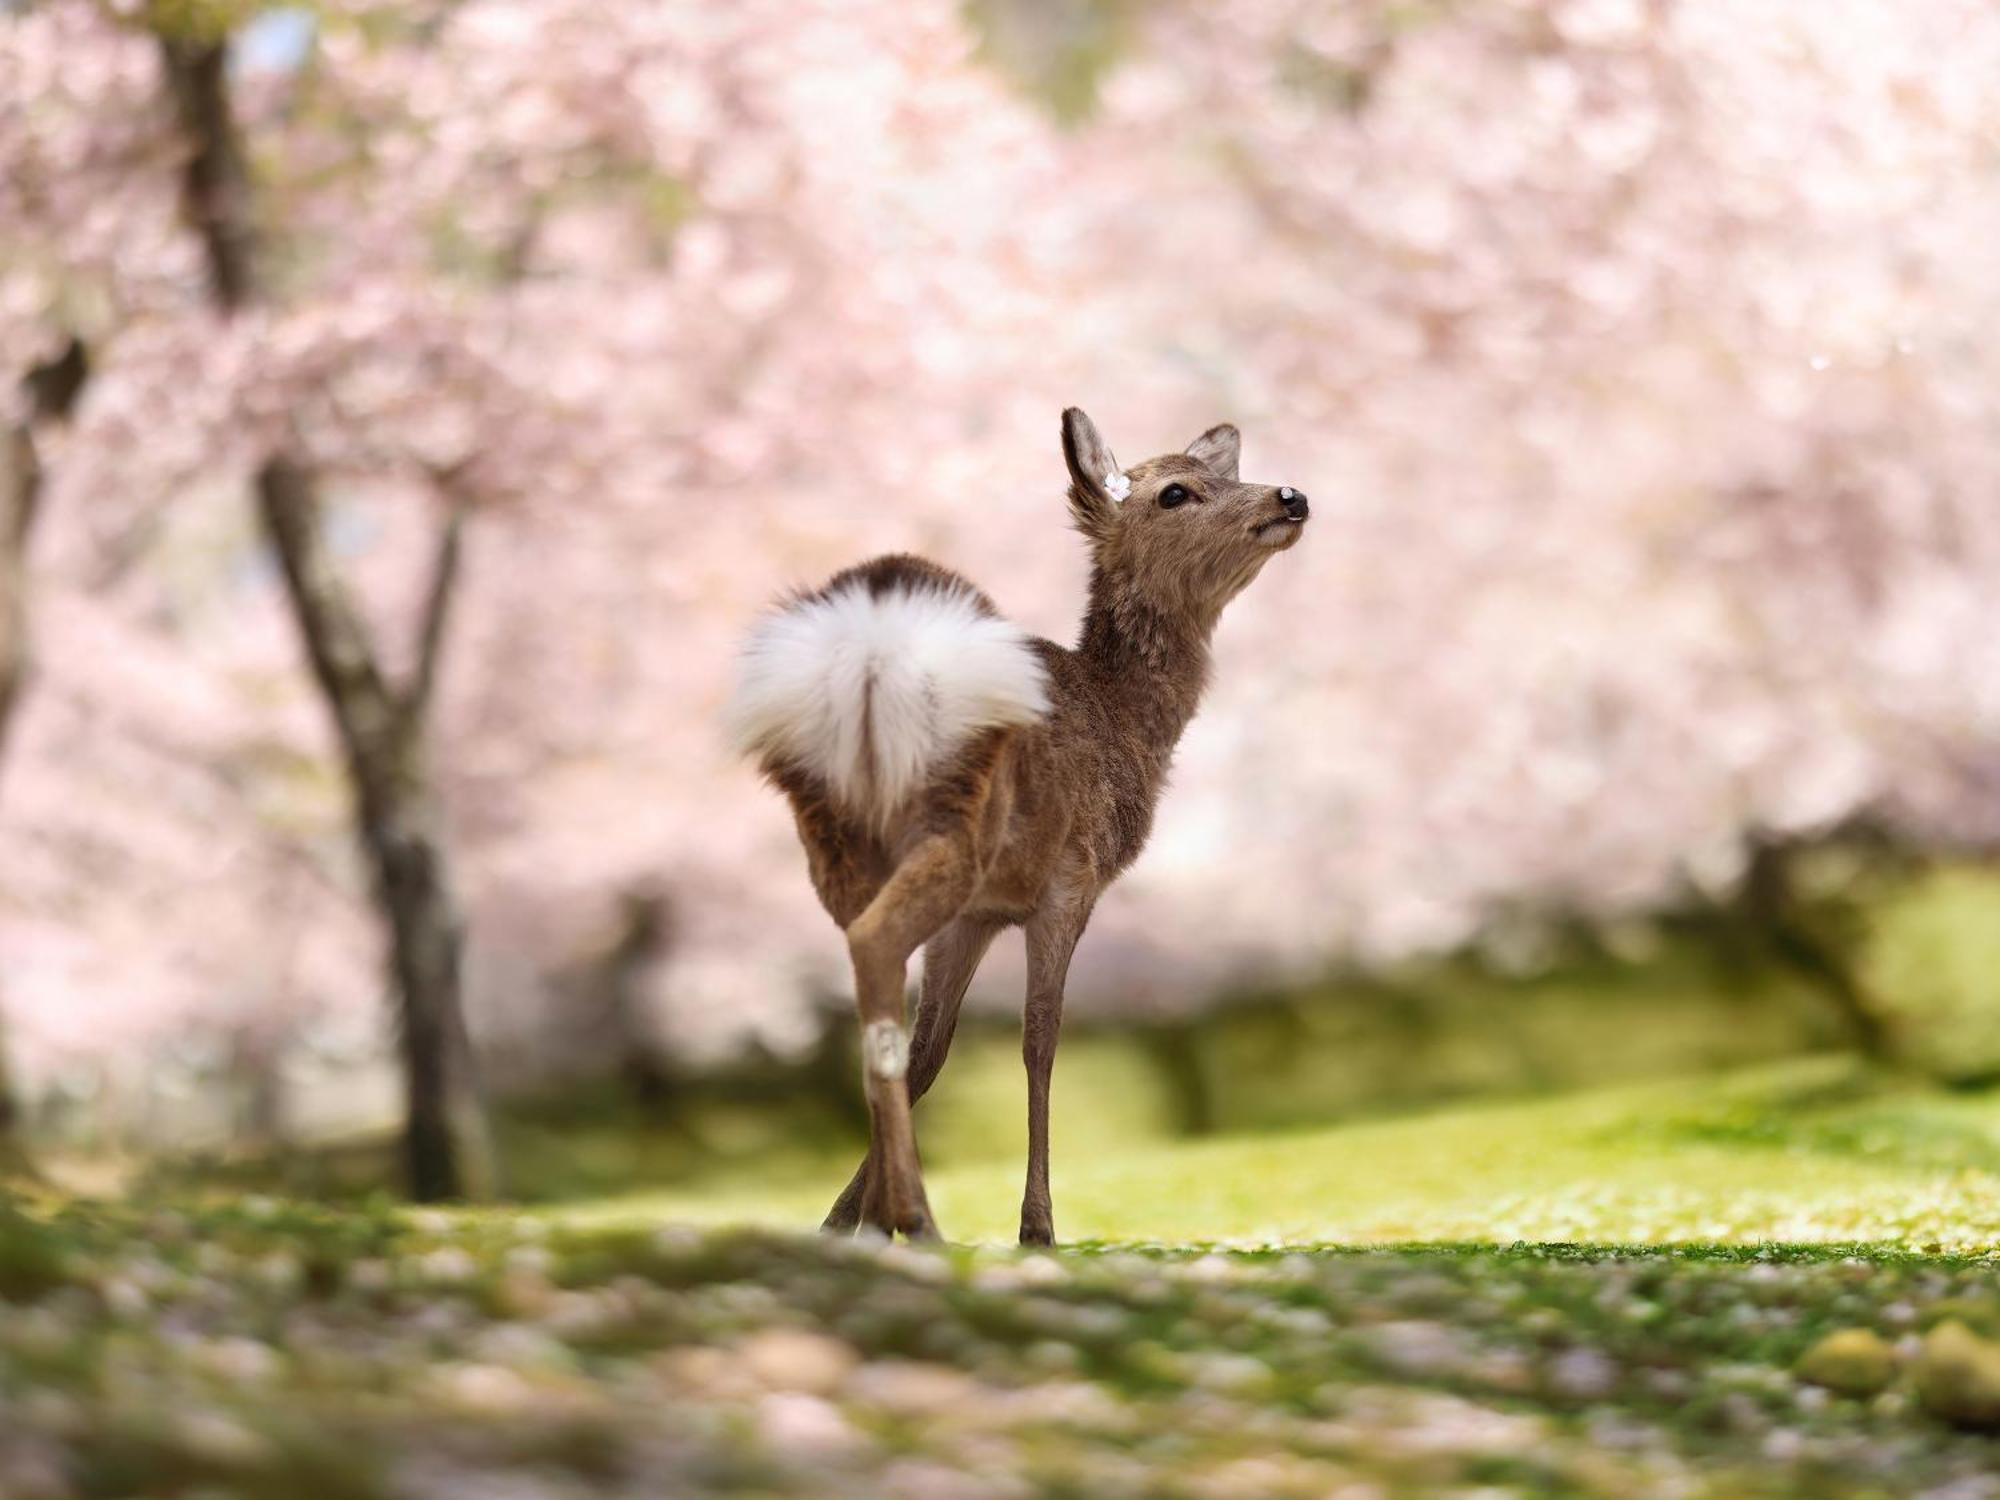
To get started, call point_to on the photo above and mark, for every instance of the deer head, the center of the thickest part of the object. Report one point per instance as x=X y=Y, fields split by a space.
x=1181 y=534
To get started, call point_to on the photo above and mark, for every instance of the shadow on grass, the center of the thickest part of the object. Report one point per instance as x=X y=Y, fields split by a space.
x=556 y=1151
x=1847 y=1111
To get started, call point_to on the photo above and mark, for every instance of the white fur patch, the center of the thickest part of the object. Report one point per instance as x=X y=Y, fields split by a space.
x=885 y=1049
x=873 y=693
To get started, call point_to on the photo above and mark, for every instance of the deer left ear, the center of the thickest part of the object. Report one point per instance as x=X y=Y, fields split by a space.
x=1097 y=486
x=1218 y=449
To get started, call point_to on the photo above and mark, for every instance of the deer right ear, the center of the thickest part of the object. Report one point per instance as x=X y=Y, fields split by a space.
x=1096 y=484
x=1220 y=449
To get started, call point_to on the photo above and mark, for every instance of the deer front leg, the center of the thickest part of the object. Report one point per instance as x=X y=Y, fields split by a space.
x=950 y=959
x=1052 y=935
x=932 y=883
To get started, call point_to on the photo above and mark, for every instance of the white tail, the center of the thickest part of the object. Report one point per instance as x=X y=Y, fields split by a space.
x=872 y=692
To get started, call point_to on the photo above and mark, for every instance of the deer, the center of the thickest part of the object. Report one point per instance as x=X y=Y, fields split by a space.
x=952 y=776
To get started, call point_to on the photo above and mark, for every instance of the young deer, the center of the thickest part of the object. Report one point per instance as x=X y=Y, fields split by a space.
x=951 y=775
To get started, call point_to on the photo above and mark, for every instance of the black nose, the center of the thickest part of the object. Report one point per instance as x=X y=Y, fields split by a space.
x=1294 y=503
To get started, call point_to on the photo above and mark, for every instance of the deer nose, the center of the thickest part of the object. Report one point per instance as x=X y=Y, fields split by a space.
x=1294 y=503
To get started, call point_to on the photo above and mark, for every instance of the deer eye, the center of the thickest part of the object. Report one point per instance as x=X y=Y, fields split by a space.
x=1174 y=494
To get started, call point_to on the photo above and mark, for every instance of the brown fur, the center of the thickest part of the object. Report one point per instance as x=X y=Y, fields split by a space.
x=1030 y=824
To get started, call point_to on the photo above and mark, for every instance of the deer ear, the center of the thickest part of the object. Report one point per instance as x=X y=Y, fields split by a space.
x=1096 y=484
x=1219 y=449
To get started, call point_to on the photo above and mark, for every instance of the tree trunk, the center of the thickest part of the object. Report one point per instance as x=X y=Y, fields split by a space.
x=427 y=948
x=1771 y=903
x=621 y=1000
x=1176 y=1049
x=14 y=1160
x=447 y=1146
x=20 y=484
x=20 y=487
x=51 y=389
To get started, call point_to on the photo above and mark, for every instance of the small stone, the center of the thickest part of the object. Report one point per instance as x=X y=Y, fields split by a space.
x=53 y=1412
x=1052 y=1357
x=124 y=1298
x=1503 y=1370
x=448 y=1265
x=1584 y=1374
x=1039 y=1270
x=1852 y=1362
x=34 y=1471
x=910 y=1389
x=789 y=1359
x=1417 y=1349
x=281 y=1271
x=525 y=1293
x=707 y=1373
x=1233 y=1374
x=490 y=1389
x=519 y=1347
x=792 y=1422
x=532 y=1260
x=1210 y=1268
x=1958 y=1376
x=240 y=1360
x=923 y=1479
x=220 y=1440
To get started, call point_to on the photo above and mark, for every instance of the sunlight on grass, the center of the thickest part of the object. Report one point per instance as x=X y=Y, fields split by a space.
x=1810 y=1152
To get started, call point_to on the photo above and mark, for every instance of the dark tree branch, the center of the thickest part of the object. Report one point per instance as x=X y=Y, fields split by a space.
x=215 y=185
x=54 y=385
x=336 y=638
x=438 y=598
x=52 y=389
x=217 y=197
x=20 y=487
x=20 y=490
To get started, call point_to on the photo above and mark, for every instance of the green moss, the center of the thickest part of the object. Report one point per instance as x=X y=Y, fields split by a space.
x=1410 y=1370
x=32 y=1260
x=1958 y=1376
x=1932 y=955
x=1851 y=1361
x=1767 y=1154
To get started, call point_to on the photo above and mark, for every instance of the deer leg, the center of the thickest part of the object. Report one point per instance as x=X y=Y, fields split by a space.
x=1052 y=935
x=930 y=885
x=949 y=961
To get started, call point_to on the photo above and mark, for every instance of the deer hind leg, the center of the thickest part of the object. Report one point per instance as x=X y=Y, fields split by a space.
x=949 y=961
x=1052 y=936
x=930 y=885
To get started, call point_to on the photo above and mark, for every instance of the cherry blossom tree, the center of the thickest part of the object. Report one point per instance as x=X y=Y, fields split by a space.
x=393 y=304
x=1630 y=351
x=1634 y=340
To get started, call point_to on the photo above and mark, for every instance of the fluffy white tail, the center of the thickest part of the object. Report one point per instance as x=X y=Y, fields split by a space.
x=873 y=689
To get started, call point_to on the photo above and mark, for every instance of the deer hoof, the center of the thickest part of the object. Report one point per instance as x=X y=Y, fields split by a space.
x=1043 y=1235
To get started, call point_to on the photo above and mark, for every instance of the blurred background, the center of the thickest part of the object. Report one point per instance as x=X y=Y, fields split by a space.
x=407 y=406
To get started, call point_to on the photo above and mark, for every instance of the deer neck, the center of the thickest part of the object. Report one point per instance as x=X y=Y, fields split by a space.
x=1150 y=662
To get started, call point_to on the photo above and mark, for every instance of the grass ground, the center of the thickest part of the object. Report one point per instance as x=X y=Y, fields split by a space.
x=1820 y=1151
x=258 y=1348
